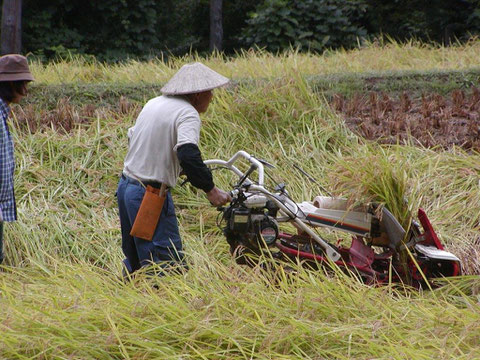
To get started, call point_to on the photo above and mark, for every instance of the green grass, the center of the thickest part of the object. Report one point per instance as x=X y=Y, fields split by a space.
x=396 y=82
x=60 y=294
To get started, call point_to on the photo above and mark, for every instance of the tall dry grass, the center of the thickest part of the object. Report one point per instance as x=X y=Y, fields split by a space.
x=373 y=57
x=60 y=293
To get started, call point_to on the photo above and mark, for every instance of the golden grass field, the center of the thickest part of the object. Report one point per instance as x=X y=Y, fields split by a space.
x=61 y=296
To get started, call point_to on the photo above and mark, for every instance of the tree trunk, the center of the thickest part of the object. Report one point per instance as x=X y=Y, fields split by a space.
x=216 y=27
x=11 y=42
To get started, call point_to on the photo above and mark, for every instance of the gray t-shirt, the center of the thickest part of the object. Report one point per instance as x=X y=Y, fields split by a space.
x=165 y=123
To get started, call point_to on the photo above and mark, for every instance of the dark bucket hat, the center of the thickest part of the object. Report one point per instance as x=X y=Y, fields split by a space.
x=14 y=67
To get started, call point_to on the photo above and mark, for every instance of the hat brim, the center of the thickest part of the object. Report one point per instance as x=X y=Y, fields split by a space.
x=17 y=77
x=166 y=92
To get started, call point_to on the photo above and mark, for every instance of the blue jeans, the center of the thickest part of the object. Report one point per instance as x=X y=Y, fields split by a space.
x=166 y=245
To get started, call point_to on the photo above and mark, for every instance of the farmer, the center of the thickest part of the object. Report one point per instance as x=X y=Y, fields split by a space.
x=163 y=143
x=14 y=77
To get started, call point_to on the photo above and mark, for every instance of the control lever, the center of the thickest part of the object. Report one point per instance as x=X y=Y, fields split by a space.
x=265 y=163
x=246 y=175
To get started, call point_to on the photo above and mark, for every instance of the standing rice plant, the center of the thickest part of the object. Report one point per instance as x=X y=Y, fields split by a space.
x=372 y=57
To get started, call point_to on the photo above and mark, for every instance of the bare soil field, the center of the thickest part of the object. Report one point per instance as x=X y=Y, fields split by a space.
x=431 y=119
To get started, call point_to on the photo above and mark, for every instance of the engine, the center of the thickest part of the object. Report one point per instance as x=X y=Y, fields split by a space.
x=250 y=224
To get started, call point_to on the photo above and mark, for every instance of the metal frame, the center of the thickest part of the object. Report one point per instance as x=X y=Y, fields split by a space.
x=332 y=254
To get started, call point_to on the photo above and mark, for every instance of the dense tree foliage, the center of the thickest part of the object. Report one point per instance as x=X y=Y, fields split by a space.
x=110 y=29
x=307 y=24
x=118 y=29
x=434 y=20
x=319 y=24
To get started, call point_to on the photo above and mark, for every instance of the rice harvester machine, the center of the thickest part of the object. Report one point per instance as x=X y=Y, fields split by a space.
x=381 y=249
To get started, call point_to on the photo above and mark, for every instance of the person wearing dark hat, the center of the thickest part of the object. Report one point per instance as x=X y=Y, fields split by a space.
x=162 y=144
x=14 y=77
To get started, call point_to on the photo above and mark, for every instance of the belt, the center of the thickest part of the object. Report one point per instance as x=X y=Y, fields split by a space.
x=144 y=183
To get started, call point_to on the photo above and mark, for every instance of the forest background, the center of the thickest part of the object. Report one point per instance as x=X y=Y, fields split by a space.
x=114 y=30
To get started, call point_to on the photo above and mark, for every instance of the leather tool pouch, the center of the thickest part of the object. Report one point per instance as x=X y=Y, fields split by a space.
x=149 y=213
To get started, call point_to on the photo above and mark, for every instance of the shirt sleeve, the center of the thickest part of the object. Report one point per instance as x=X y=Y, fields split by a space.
x=188 y=130
x=193 y=166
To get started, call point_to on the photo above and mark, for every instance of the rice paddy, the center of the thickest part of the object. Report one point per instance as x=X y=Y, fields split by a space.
x=61 y=296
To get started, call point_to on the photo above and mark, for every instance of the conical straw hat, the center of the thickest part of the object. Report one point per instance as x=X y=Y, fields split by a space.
x=193 y=78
